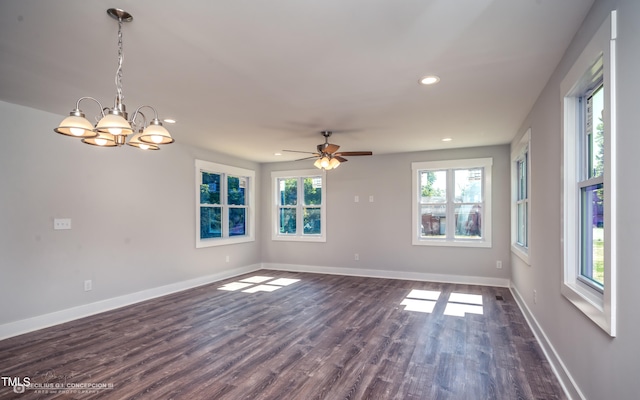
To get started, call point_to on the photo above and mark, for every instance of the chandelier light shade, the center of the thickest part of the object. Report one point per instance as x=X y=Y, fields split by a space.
x=113 y=126
x=136 y=142
x=155 y=133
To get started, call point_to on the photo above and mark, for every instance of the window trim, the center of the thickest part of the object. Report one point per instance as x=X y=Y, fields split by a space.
x=226 y=170
x=298 y=237
x=521 y=149
x=416 y=167
x=600 y=307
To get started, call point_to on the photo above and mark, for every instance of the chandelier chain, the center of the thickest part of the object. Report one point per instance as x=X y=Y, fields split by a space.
x=120 y=61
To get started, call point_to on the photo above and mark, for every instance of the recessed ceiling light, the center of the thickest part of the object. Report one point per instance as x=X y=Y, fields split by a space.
x=429 y=80
x=447 y=139
x=277 y=154
x=169 y=121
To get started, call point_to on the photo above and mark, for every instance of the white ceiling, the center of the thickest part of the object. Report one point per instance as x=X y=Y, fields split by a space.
x=250 y=78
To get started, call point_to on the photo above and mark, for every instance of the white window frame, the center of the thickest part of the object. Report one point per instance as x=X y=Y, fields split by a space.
x=599 y=306
x=225 y=171
x=521 y=151
x=300 y=236
x=416 y=225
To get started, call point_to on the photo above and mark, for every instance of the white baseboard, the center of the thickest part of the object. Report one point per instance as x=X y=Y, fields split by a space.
x=43 y=321
x=375 y=273
x=569 y=385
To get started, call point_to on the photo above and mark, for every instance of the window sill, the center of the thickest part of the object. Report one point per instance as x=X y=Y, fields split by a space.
x=202 y=243
x=283 y=238
x=590 y=303
x=521 y=252
x=452 y=243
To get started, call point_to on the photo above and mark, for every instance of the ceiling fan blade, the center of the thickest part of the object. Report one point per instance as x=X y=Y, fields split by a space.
x=341 y=159
x=306 y=158
x=354 y=153
x=306 y=152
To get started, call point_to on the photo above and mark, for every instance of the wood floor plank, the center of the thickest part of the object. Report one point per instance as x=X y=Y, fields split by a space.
x=322 y=337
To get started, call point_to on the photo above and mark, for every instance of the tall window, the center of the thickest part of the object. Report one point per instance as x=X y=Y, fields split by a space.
x=224 y=204
x=520 y=174
x=299 y=205
x=452 y=203
x=589 y=180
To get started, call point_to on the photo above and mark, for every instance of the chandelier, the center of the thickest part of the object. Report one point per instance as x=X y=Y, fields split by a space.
x=113 y=125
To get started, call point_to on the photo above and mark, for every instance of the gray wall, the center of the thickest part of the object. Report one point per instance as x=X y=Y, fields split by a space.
x=602 y=367
x=133 y=218
x=380 y=232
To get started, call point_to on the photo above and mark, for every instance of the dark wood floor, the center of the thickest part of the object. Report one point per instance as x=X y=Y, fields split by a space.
x=322 y=337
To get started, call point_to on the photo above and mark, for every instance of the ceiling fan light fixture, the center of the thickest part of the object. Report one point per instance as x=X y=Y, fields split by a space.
x=324 y=162
x=334 y=163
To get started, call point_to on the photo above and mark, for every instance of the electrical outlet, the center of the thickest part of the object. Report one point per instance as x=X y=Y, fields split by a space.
x=499 y=264
x=356 y=257
x=535 y=296
x=61 y=223
x=356 y=199
x=227 y=258
x=371 y=199
x=88 y=285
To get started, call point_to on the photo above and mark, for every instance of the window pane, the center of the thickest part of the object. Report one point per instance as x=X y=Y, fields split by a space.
x=236 y=190
x=592 y=234
x=210 y=222
x=522 y=178
x=434 y=220
x=433 y=186
x=595 y=132
x=313 y=191
x=468 y=185
x=311 y=218
x=237 y=221
x=210 y=188
x=521 y=238
x=288 y=220
x=288 y=191
x=468 y=221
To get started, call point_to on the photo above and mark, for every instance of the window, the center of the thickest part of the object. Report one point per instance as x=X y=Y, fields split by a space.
x=520 y=174
x=224 y=204
x=452 y=203
x=299 y=205
x=589 y=184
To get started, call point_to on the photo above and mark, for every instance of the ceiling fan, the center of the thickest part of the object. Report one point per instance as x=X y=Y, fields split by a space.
x=327 y=155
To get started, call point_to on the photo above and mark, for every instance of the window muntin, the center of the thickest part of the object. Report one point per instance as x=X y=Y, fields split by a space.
x=299 y=212
x=224 y=204
x=452 y=202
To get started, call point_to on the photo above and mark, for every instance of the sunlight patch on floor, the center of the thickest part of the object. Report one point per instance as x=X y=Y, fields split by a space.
x=425 y=306
x=258 y=283
x=233 y=286
x=421 y=300
x=256 y=279
x=461 y=304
